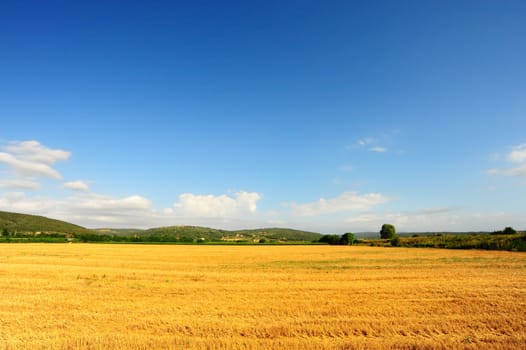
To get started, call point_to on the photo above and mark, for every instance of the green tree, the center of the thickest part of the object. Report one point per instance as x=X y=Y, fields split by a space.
x=5 y=232
x=509 y=231
x=347 y=238
x=388 y=231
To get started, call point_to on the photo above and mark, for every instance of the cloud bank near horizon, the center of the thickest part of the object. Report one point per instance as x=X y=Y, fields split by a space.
x=31 y=183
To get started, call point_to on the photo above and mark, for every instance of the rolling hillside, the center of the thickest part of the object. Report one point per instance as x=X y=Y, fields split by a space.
x=24 y=223
x=210 y=234
x=281 y=234
x=29 y=224
x=119 y=232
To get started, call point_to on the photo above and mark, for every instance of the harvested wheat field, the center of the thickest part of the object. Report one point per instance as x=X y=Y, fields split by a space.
x=84 y=296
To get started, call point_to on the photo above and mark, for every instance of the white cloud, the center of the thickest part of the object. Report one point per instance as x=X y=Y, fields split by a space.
x=28 y=168
x=217 y=206
x=366 y=141
x=379 y=149
x=362 y=219
x=434 y=211
x=88 y=209
x=31 y=159
x=34 y=151
x=446 y=219
x=168 y=211
x=19 y=184
x=347 y=201
x=18 y=202
x=517 y=171
x=97 y=210
x=87 y=204
x=97 y=202
x=517 y=156
x=27 y=161
x=372 y=145
x=76 y=185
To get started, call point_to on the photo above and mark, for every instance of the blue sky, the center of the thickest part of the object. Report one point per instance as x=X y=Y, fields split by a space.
x=331 y=116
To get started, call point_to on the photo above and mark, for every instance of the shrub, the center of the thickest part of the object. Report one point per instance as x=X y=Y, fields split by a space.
x=331 y=239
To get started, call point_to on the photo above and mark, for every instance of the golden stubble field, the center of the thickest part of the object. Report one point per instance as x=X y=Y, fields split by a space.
x=89 y=296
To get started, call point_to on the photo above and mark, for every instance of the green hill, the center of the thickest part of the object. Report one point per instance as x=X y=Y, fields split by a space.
x=196 y=233
x=280 y=234
x=25 y=223
x=120 y=232
x=188 y=232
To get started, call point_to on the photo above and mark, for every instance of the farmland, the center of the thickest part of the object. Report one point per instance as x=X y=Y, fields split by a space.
x=91 y=296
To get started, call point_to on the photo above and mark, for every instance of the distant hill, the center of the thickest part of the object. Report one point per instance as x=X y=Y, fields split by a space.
x=193 y=232
x=30 y=224
x=211 y=234
x=25 y=223
x=121 y=232
x=281 y=234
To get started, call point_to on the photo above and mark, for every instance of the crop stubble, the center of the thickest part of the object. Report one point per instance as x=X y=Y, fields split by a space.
x=88 y=296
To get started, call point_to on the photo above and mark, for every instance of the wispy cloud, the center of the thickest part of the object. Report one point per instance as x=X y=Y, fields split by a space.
x=36 y=152
x=371 y=144
x=97 y=202
x=518 y=154
x=76 y=185
x=347 y=201
x=366 y=141
x=28 y=168
x=511 y=172
x=441 y=219
x=19 y=184
x=517 y=157
x=378 y=149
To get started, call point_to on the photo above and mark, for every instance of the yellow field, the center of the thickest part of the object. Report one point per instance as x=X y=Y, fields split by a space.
x=69 y=296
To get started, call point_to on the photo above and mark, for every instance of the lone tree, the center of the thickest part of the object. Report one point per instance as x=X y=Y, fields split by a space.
x=347 y=239
x=388 y=231
x=509 y=231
